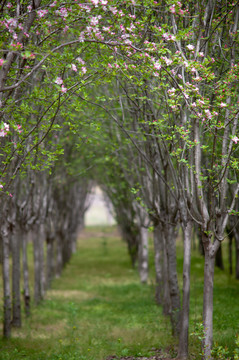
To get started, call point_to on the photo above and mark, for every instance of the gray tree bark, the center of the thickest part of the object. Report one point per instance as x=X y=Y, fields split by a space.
x=39 y=275
x=209 y=266
x=173 y=280
x=143 y=255
x=184 y=321
x=7 y=308
x=59 y=260
x=236 y=235
x=158 y=261
x=167 y=306
x=50 y=265
x=26 y=288
x=16 y=272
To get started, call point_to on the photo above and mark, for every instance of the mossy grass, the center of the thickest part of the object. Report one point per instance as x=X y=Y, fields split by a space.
x=99 y=308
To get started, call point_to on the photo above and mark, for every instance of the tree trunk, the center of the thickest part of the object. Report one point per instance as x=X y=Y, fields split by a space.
x=50 y=262
x=1 y=249
x=158 y=248
x=219 y=259
x=74 y=242
x=66 y=247
x=16 y=272
x=6 y=282
x=39 y=280
x=230 y=252
x=200 y=243
x=236 y=235
x=166 y=293
x=143 y=255
x=59 y=261
x=26 y=289
x=184 y=321
x=42 y=262
x=131 y=236
x=173 y=279
x=209 y=266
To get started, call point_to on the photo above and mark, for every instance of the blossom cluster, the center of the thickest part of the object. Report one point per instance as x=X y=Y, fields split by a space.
x=4 y=129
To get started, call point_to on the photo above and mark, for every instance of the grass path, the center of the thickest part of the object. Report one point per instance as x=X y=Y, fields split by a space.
x=96 y=309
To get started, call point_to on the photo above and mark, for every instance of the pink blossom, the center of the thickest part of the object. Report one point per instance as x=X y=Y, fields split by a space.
x=95 y=2
x=4 y=130
x=18 y=45
x=94 y=21
x=168 y=61
x=63 y=89
x=81 y=37
x=59 y=81
x=172 y=9
x=6 y=127
x=42 y=13
x=1 y=62
x=9 y=5
x=235 y=139
x=83 y=69
x=113 y=10
x=157 y=65
x=165 y=36
x=62 y=12
x=171 y=91
x=80 y=60
x=1 y=186
x=12 y=23
x=110 y=66
x=19 y=128
x=106 y=28
x=208 y=114
x=222 y=105
x=73 y=67
x=201 y=54
x=190 y=47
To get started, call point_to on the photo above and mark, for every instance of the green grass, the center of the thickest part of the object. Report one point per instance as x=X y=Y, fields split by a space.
x=96 y=309
x=99 y=308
